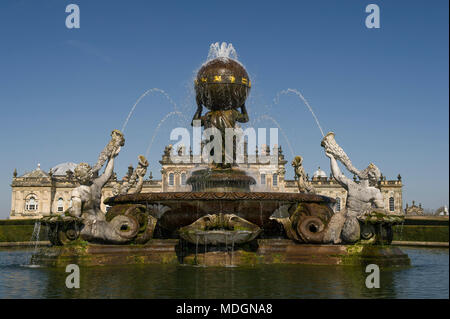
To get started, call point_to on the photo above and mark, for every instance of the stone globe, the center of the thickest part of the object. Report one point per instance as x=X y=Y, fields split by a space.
x=222 y=84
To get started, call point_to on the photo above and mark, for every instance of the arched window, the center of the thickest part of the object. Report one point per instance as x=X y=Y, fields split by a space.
x=391 y=204
x=338 y=204
x=171 y=179
x=31 y=204
x=60 y=204
x=275 y=179
x=263 y=179
x=183 y=179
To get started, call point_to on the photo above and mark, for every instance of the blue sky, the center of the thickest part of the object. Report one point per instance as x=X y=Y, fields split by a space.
x=384 y=92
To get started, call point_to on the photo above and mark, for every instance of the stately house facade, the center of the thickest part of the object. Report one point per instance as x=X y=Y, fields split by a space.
x=38 y=193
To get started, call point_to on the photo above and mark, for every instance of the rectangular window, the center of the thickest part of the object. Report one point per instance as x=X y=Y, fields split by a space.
x=263 y=179
x=391 y=204
x=275 y=180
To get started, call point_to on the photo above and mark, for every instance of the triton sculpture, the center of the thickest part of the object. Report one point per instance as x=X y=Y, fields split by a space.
x=84 y=219
x=364 y=204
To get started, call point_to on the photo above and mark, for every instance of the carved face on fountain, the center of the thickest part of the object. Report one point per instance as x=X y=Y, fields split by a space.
x=222 y=84
x=83 y=173
x=372 y=174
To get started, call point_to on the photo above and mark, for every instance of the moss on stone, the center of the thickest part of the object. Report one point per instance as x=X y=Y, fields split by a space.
x=242 y=228
x=139 y=259
x=249 y=258
x=169 y=259
x=355 y=249
x=190 y=260
x=277 y=258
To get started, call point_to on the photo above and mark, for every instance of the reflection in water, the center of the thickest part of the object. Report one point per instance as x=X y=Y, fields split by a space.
x=427 y=278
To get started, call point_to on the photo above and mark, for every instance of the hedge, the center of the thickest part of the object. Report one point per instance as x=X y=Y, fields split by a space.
x=421 y=233
x=13 y=233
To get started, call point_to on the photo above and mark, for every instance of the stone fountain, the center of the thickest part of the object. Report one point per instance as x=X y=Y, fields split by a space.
x=220 y=222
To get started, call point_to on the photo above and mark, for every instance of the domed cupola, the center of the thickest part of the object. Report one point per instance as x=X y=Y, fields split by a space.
x=319 y=173
x=61 y=169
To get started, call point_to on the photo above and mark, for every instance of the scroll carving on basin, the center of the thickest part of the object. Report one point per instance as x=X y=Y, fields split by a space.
x=304 y=222
x=219 y=229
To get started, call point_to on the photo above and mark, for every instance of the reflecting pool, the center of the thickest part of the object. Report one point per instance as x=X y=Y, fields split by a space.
x=426 y=278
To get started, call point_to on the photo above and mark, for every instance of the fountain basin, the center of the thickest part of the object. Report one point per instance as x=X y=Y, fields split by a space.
x=220 y=229
x=175 y=210
x=220 y=180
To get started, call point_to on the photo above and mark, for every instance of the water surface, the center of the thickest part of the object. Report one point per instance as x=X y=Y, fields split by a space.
x=426 y=278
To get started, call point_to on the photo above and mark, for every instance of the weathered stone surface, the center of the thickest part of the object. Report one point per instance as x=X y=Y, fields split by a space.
x=265 y=251
x=85 y=254
x=351 y=230
x=220 y=229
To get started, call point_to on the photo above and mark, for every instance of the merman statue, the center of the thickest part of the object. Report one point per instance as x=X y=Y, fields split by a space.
x=86 y=198
x=362 y=197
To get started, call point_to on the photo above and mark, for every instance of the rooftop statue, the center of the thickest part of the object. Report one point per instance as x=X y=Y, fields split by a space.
x=304 y=186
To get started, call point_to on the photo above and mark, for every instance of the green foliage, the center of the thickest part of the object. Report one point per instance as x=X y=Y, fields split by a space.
x=77 y=242
x=17 y=221
x=421 y=233
x=15 y=233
